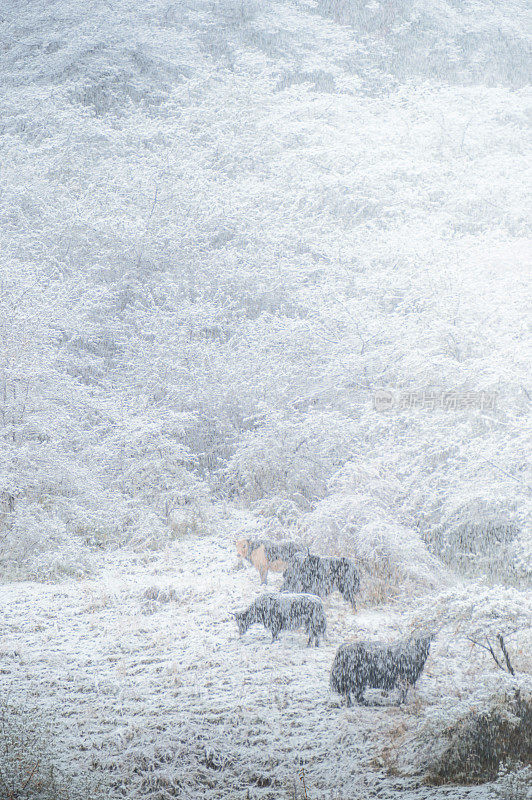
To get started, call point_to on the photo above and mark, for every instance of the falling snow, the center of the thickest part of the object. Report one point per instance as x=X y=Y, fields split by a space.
x=265 y=385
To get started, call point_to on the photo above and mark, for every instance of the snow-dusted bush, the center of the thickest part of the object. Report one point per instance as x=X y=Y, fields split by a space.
x=188 y=514
x=189 y=520
x=37 y=545
x=513 y=781
x=497 y=620
x=30 y=769
x=280 y=512
x=468 y=743
x=479 y=536
x=153 y=465
x=290 y=457
x=391 y=556
x=441 y=39
x=357 y=519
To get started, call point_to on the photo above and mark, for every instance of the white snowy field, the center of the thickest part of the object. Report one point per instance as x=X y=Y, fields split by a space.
x=153 y=699
x=224 y=225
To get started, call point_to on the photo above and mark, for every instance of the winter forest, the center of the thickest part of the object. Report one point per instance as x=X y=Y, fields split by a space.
x=265 y=359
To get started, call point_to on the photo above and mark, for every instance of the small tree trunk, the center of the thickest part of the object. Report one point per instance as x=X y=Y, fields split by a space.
x=505 y=654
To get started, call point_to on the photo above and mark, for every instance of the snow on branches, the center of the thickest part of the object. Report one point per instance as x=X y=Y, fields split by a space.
x=486 y=617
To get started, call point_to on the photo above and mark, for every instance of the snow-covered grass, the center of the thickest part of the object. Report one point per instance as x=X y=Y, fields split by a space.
x=163 y=696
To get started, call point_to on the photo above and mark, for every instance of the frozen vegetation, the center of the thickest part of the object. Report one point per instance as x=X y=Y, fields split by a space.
x=264 y=275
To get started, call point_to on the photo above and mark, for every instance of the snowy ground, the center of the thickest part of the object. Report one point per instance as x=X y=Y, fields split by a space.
x=150 y=696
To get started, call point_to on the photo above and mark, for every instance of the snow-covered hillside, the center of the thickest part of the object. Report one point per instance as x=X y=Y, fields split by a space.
x=226 y=226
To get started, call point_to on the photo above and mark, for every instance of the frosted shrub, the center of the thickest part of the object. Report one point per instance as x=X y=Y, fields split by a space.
x=513 y=782
x=496 y=620
x=29 y=769
x=356 y=520
x=279 y=511
x=369 y=478
x=156 y=467
x=480 y=537
x=148 y=530
x=189 y=520
x=392 y=558
x=37 y=546
x=104 y=522
x=469 y=745
x=71 y=561
x=437 y=38
x=291 y=458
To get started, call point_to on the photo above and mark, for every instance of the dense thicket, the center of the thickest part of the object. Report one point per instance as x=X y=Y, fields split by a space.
x=217 y=243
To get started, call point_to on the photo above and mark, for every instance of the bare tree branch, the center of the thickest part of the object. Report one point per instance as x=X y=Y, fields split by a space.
x=505 y=653
x=487 y=647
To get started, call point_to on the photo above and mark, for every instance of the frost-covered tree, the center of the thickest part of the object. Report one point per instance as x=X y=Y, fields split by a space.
x=495 y=619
